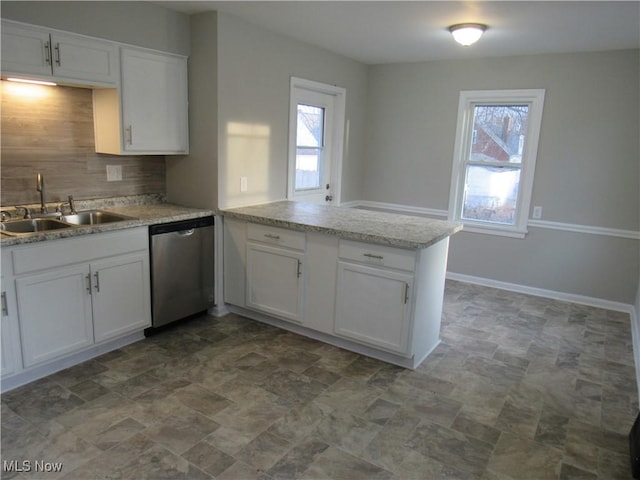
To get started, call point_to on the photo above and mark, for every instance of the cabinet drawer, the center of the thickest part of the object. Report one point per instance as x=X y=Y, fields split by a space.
x=276 y=236
x=378 y=255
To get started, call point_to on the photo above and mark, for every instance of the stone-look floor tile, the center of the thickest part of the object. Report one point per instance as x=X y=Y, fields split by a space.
x=208 y=458
x=292 y=386
x=88 y=390
x=334 y=464
x=299 y=422
x=450 y=447
x=264 y=451
x=241 y=470
x=346 y=431
x=552 y=428
x=201 y=400
x=41 y=400
x=569 y=472
x=158 y=462
x=117 y=433
x=297 y=460
x=522 y=421
x=380 y=411
x=520 y=387
x=180 y=433
x=470 y=427
x=521 y=458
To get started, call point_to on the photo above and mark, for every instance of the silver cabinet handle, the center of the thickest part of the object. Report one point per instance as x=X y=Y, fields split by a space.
x=406 y=293
x=47 y=53
x=57 y=49
x=272 y=236
x=129 y=131
x=88 y=277
x=5 y=307
x=97 y=275
x=371 y=255
x=299 y=272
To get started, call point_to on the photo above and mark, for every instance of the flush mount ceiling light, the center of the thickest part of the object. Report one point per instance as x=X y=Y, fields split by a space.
x=467 y=33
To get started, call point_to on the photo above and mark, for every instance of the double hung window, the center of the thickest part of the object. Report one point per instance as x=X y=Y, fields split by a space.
x=494 y=160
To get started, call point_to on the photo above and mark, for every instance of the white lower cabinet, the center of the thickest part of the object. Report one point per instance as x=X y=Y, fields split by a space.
x=379 y=300
x=55 y=313
x=10 y=351
x=120 y=295
x=72 y=295
x=372 y=306
x=273 y=281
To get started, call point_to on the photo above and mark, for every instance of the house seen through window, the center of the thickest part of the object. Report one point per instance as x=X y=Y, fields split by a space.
x=496 y=145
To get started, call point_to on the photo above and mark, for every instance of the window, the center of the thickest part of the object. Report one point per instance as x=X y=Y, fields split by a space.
x=309 y=147
x=316 y=134
x=494 y=160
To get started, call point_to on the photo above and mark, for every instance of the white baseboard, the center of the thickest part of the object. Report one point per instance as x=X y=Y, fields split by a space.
x=541 y=292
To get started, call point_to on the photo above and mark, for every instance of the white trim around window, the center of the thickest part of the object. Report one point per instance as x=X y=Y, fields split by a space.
x=524 y=165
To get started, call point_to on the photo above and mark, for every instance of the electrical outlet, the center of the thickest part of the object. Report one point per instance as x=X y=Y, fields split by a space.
x=537 y=212
x=114 y=173
x=243 y=184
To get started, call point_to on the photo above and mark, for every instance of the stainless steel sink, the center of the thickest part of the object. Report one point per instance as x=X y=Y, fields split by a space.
x=94 y=217
x=32 y=225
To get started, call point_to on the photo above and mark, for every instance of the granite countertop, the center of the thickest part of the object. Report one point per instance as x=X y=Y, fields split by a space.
x=143 y=214
x=402 y=231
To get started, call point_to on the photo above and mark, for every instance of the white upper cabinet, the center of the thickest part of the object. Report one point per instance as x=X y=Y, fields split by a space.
x=45 y=54
x=149 y=114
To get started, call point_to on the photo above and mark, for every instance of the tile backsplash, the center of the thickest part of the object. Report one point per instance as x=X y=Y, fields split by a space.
x=50 y=130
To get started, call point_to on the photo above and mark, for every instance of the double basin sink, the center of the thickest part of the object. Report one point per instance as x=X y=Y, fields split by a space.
x=82 y=218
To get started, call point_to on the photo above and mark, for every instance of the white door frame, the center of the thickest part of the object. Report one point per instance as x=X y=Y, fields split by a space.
x=337 y=133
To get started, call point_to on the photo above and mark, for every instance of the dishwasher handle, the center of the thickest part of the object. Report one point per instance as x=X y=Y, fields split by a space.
x=180 y=226
x=186 y=233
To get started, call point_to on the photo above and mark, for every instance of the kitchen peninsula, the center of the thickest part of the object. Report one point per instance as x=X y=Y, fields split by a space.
x=370 y=282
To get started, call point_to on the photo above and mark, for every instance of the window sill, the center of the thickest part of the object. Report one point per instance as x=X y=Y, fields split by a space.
x=500 y=231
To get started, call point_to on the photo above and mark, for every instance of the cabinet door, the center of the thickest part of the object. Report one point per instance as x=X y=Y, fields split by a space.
x=25 y=50
x=55 y=313
x=154 y=102
x=373 y=306
x=81 y=58
x=274 y=281
x=10 y=355
x=121 y=299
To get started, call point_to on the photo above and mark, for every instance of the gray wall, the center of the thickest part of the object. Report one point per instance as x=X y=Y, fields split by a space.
x=587 y=170
x=136 y=23
x=193 y=179
x=254 y=68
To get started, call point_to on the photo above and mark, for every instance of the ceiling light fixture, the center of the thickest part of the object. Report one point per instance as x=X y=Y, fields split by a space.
x=467 y=33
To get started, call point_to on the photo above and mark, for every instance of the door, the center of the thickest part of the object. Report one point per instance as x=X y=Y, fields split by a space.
x=55 y=313
x=373 y=306
x=154 y=102
x=121 y=297
x=274 y=281
x=316 y=137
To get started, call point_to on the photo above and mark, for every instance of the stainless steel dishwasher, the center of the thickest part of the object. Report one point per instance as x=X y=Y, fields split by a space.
x=182 y=279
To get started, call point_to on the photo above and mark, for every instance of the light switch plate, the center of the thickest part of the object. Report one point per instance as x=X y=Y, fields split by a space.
x=114 y=173
x=243 y=184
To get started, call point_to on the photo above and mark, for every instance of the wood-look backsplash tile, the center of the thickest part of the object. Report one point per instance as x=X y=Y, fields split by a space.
x=50 y=130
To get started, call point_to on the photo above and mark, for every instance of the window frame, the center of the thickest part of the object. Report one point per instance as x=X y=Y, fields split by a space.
x=468 y=100
x=334 y=135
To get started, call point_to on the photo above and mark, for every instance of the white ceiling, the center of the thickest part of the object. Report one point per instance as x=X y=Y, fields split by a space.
x=376 y=32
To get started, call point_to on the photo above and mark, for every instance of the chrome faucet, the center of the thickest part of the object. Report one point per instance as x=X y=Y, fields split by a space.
x=40 y=188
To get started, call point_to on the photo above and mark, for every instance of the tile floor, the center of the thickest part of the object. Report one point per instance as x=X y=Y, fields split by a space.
x=520 y=388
